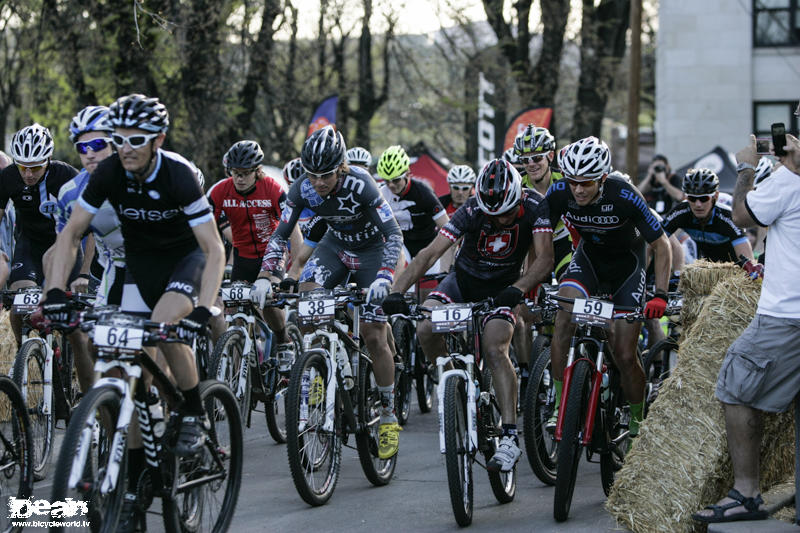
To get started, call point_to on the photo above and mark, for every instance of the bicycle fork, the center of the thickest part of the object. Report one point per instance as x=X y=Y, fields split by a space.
x=472 y=394
x=594 y=391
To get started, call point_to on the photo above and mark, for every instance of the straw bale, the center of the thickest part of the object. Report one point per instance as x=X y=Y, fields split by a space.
x=697 y=281
x=8 y=345
x=680 y=461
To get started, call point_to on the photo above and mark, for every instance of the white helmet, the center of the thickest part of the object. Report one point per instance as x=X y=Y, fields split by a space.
x=763 y=170
x=587 y=158
x=31 y=144
x=461 y=174
x=358 y=156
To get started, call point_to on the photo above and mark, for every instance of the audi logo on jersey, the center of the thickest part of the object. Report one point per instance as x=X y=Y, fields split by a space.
x=602 y=220
x=498 y=244
x=152 y=215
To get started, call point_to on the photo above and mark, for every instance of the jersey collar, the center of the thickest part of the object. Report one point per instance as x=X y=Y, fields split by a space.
x=152 y=176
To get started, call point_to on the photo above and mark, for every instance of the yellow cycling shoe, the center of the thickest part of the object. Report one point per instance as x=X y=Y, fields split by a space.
x=316 y=392
x=388 y=440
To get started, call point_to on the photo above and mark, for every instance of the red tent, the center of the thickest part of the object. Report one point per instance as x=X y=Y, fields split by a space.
x=429 y=168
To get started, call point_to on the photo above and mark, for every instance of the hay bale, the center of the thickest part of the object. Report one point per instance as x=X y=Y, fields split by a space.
x=697 y=281
x=8 y=345
x=680 y=461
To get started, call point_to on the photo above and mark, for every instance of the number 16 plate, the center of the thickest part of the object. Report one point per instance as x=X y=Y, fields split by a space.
x=451 y=317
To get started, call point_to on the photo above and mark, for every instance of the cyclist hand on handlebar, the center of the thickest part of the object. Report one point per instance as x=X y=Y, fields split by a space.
x=508 y=297
x=261 y=292
x=656 y=305
x=56 y=307
x=395 y=304
x=288 y=284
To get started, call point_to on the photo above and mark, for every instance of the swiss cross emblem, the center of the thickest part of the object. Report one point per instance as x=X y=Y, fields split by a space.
x=500 y=244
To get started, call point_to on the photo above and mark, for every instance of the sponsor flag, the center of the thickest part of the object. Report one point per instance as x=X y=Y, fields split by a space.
x=324 y=115
x=538 y=116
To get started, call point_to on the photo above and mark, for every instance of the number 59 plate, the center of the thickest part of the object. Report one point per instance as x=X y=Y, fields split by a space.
x=118 y=338
x=591 y=310
x=451 y=317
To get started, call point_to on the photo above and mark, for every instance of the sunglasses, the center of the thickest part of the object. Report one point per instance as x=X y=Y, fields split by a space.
x=134 y=141
x=574 y=183
x=95 y=144
x=32 y=168
x=243 y=174
x=526 y=159
x=703 y=198
x=323 y=176
x=461 y=187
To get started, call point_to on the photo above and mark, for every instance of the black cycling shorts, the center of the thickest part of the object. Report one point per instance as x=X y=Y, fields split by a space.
x=457 y=288
x=27 y=263
x=619 y=276
x=111 y=285
x=147 y=278
x=244 y=268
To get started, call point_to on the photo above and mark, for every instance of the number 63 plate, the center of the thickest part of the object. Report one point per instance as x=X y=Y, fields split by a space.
x=116 y=338
x=451 y=317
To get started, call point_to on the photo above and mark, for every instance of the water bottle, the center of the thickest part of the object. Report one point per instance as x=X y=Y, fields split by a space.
x=343 y=362
x=156 y=413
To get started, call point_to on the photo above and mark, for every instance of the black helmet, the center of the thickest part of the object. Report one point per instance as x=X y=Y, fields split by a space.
x=700 y=181
x=498 y=188
x=139 y=111
x=243 y=154
x=323 y=151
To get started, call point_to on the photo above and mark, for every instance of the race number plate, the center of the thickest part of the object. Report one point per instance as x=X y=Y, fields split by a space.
x=118 y=338
x=451 y=317
x=316 y=310
x=26 y=302
x=592 y=311
x=236 y=295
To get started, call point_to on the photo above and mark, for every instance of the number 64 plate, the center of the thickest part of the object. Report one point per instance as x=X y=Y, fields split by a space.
x=119 y=338
x=451 y=317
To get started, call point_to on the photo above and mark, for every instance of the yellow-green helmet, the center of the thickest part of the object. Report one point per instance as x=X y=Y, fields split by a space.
x=534 y=139
x=393 y=163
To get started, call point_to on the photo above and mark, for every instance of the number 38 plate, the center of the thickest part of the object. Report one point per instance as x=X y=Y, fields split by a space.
x=316 y=310
x=451 y=317
x=116 y=338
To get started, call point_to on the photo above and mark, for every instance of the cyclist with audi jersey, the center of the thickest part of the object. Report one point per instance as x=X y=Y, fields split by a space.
x=499 y=226
x=252 y=202
x=32 y=184
x=461 y=180
x=615 y=226
x=172 y=250
x=363 y=241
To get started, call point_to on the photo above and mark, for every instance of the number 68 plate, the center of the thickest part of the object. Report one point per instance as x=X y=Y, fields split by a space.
x=451 y=317
x=118 y=338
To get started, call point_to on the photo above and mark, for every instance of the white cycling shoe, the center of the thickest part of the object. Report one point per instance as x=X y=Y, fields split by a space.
x=506 y=456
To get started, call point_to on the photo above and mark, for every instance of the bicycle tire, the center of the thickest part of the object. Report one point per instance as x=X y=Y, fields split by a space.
x=225 y=363
x=378 y=471
x=426 y=388
x=569 y=449
x=15 y=448
x=457 y=459
x=401 y=331
x=104 y=511
x=312 y=450
x=275 y=403
x=504 y=484
x=188 y=510
x=616 y=419
x=663 y=347
x=31 y=385
x=540 y=446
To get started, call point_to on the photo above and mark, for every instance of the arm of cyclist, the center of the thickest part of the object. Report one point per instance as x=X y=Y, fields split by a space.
x=541 y=268
x=81 y=283
x=66 y=249
x=421 y=263
x=656 y=305
x=208 y=239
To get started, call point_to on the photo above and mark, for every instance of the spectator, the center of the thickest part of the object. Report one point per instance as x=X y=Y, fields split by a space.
x=660 y=187
x=761 y=371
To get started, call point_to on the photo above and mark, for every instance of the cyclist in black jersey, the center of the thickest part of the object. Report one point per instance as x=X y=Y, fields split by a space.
x=461 y=181
x=173 y=252
x=615 y=226
x=32 y=184
x=707 y=222
x=363 y=242
x=499 y=227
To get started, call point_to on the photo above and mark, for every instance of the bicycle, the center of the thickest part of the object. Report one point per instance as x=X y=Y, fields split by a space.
x=659 y=360
x=332 y=394
x=44 y=372
x=16 y=466
x=593 y=414
x=92 y=463
x=246 y=350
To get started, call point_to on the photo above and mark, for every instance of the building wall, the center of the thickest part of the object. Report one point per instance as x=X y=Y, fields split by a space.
x=705 y=71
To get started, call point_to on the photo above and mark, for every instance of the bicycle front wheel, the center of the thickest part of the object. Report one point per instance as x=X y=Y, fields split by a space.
x=226 y=364
x=403 y=337
x=16 y=478
x=378 y=471
x=206 y=485
x=275 y=403
x=569 y=449
x=314 y=452
x=85 y=458
x=29 y=367
x=540 y=446
x=457 y=456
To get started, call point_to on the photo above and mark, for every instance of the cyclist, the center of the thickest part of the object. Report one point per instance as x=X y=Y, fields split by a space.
x=615 y=225
x=708 y=223
x=32 y=183
x=359 y=157
x=252 y=204
x=499 y=227
x=363 y=240
x=461 y=180
x=172 y=250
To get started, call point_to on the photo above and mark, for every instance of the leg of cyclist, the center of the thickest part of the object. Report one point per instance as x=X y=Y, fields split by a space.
x=276 y=320
x=433 y=344
x=631 y=372
x=497 y=334
x=523 y=341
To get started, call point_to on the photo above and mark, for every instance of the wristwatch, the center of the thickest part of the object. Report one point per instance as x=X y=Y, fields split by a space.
x=742 y=166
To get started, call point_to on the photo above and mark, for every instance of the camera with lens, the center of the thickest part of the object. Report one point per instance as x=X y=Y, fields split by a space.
x=659 y=168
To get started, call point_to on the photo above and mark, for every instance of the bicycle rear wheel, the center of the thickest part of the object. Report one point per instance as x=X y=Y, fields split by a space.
x=16 y=478
x=275 y=403
x=379 y=471
x=457 y=457
x=29 y=367
x=84 y=460
x=206 y=485
x=403 y=338
x=314 y=453
x=540 y=446
x=569 y=449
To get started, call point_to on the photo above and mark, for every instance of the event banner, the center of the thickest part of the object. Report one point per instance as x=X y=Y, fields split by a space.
x=538 y=116
x=324 y=115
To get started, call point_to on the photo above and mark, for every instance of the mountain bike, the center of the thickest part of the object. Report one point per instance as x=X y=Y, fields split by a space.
x=198 y=493
x=332 y=395
x=16 y=465
x=44 y=372
x=244 y=357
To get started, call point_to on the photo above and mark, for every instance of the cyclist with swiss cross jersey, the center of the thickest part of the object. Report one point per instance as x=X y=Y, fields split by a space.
x=363 y=241
x=615 y=226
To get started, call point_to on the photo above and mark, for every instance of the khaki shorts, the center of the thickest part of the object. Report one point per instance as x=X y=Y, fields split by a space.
x=762 y=367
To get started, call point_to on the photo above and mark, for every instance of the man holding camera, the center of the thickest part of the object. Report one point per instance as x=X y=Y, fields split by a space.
x=660 y=187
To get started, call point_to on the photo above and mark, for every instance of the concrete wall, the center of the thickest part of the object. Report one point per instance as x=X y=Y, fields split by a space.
x=705 y=72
